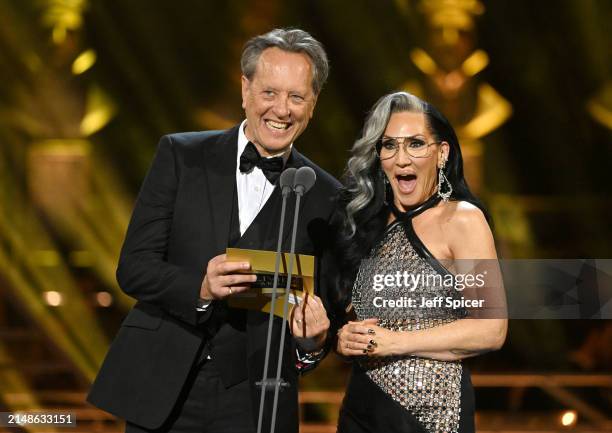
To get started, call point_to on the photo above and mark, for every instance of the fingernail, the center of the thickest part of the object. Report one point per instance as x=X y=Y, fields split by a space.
x=246 y=265
x=371 y=332
x=373 y=343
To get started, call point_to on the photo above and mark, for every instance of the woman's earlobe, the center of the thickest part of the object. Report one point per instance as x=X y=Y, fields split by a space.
x=441 y=159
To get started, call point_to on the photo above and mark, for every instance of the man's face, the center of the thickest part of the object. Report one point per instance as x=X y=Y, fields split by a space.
x=278 y=100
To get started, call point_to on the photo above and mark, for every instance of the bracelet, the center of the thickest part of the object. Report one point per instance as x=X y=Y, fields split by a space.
x=310 y=357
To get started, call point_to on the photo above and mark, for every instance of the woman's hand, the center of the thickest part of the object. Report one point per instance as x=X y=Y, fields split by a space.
x=367 y=338
x=357 y=338
x=385 y=342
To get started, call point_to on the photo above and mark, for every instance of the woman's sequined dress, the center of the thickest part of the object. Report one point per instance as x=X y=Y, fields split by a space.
x=429 y=389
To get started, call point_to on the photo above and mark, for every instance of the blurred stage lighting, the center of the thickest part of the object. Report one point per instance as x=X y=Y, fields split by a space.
x=569 y=418
x=53 y=298
x=104 y=299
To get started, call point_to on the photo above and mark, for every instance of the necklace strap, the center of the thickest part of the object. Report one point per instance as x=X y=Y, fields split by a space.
x=405 y=216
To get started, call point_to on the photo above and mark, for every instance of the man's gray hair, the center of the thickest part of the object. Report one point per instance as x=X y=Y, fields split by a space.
x=291 y=40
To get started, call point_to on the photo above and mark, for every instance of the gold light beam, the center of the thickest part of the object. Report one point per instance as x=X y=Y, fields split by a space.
x=600 y=106
x=84 y=61
x=99 y=110
x=13 y=383
x=29 y=298
x=63 y=16
x=492 y=111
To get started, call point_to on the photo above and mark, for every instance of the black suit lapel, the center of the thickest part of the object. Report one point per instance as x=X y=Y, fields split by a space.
x=220 y=161
x=262 y=233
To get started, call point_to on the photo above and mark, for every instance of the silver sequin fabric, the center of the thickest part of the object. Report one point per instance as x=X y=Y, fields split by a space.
x=429 y=389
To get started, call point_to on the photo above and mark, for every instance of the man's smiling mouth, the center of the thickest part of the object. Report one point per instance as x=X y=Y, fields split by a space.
x=279 y=126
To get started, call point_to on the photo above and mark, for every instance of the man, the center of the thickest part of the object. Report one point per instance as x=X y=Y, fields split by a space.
x=183 y=361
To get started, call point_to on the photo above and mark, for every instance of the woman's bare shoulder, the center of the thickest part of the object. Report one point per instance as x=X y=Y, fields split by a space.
x=463 y=214
x=467 y=230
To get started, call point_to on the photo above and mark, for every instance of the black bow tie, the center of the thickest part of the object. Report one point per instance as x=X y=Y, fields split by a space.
x=271 y=167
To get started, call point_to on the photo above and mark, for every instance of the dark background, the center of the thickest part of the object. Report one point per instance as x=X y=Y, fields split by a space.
x=174 y=66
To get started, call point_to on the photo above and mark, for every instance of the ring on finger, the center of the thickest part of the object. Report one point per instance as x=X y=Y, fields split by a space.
x=230 y=290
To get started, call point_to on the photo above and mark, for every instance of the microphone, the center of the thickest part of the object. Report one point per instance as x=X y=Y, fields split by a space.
x=286 y=182
x=305 y=178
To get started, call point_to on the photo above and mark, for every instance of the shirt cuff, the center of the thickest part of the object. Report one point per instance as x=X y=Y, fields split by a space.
x=203 y=304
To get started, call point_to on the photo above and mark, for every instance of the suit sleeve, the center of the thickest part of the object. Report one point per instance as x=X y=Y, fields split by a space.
x=330 y=282
x=326 y=288
x=144 y=272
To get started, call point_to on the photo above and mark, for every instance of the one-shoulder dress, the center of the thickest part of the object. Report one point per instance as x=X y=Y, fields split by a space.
x=405 y=393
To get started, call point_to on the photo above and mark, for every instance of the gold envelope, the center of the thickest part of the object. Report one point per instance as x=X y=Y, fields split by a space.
x=259 y=296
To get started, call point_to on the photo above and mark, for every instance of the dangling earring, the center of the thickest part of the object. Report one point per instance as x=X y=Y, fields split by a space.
x=442 y=179
x=385 y=186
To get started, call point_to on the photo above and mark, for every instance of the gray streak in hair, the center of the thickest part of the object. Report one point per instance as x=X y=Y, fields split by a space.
x=364 y=157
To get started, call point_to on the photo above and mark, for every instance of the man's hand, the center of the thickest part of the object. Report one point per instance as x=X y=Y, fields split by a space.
x=309 y=323
x=223 y=278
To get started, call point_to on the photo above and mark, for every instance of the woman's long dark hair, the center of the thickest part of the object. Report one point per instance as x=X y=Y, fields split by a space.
x=362 y=213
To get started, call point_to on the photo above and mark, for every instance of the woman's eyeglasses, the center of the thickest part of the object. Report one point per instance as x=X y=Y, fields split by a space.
x=388 y=147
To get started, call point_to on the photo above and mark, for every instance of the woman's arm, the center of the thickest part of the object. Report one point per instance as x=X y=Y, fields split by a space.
x=469 y=238
x=457 y=340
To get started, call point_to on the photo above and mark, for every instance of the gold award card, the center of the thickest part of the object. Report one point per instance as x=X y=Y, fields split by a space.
x=259 y=296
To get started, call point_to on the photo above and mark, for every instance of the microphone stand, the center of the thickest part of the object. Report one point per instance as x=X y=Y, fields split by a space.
x=277 y=381
x=286 y=184
x=304 y=179
x=301 y=181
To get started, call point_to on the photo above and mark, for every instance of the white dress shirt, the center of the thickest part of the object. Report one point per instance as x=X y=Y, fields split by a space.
x=253 y=188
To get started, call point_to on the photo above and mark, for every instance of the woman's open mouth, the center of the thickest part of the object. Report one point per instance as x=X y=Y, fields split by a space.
x=406 y=183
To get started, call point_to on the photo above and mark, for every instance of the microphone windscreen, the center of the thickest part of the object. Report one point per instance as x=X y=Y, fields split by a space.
x=287 y=179
x=305 y=178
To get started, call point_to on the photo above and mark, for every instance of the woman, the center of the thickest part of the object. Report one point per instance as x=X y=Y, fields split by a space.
x=408 y=208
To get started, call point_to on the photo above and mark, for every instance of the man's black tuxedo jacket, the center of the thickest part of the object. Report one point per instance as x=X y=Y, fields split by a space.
x=182 y=219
